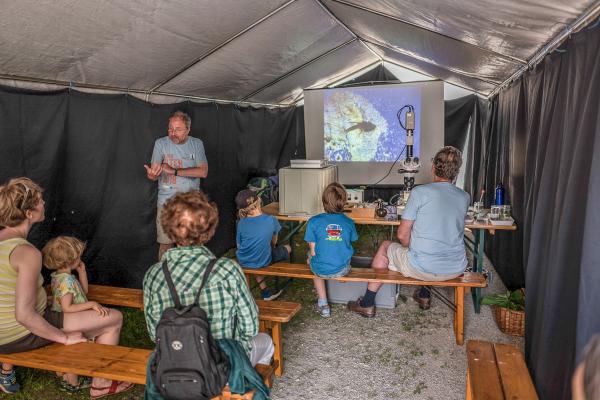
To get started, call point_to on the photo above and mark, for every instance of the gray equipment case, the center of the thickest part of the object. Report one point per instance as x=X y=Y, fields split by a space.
x=343 y=292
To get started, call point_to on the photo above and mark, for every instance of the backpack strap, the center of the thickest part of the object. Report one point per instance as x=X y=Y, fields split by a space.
x=207 y=272
x=170 y=284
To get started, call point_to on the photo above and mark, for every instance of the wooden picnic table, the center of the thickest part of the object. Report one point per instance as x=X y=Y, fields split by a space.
x=475 y=245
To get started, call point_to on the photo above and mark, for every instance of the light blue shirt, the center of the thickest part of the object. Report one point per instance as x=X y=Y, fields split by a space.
x=186 y=155
x=436 y=240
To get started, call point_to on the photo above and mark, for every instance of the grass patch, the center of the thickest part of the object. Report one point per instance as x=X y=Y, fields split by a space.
x=420 y=387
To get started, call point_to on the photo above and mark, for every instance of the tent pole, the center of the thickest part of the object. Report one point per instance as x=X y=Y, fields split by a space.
x=219 y=46
x=298 y=68
x=120 y=90
x=454 y=71
x=369 y=10
x=583 y=19
x=336 y=19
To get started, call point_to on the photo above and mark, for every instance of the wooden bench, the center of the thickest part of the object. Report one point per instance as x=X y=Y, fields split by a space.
x=271 y=314
x=109 y=362
x=466 y=280
x=497 y=372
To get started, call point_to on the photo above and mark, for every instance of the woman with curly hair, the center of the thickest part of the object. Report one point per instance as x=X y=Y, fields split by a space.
x=190 y=220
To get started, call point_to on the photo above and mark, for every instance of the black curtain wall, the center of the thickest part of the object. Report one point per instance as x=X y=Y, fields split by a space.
x=88 y=151
x=543 y=143
x=465 y=120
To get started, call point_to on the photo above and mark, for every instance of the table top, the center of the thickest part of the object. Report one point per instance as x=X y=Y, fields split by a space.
x=273 y=209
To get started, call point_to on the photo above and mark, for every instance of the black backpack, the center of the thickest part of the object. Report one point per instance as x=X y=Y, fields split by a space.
x=188 y=364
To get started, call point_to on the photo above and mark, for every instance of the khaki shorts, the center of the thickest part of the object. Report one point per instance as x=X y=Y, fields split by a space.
x=161 y=236
x=398 y=261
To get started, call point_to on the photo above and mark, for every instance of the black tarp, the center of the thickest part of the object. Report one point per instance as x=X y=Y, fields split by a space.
x=88 y=152
x=501 y=160
x=543 y=142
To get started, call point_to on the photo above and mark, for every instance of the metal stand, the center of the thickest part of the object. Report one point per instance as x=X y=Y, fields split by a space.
x=476 y=246
x=293 y=228
x=442 y=297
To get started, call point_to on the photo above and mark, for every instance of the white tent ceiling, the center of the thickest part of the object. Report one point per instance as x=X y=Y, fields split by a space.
x=267 y=51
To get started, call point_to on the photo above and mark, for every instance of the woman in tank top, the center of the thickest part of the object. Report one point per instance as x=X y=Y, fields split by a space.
x=26 y=322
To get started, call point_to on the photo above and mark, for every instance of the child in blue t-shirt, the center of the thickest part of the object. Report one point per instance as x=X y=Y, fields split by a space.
x=256 y=238
x=330 y=236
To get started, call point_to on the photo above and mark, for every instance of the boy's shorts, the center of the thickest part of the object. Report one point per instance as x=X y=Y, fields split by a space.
x=278 y=253
x=345 y=271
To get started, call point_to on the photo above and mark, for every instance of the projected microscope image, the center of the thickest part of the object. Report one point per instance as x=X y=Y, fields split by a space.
x=361 y=123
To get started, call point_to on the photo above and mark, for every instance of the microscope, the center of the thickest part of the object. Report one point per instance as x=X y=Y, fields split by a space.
x=409 y=167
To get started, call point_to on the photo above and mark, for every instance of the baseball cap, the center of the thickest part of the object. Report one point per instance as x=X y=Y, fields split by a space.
x=245 y=197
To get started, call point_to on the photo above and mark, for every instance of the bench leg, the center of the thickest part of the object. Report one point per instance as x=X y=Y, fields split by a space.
x=278 y=355
x=274 y=329
x=459 y=301
x=469 y=392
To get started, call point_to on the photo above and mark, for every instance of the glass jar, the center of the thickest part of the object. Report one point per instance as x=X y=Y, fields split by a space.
x=495 y=212
x=505 y=212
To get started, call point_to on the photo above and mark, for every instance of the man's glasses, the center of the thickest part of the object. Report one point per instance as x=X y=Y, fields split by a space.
x=176 y=130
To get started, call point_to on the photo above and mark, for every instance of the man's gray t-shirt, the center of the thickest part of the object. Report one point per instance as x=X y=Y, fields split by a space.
x=436 y=240
x=185 y=155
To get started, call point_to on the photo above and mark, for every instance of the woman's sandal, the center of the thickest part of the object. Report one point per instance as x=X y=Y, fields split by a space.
x=114 y=388
x=82 y=383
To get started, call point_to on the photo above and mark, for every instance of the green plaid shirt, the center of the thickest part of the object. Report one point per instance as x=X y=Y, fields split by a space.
x=225 y=296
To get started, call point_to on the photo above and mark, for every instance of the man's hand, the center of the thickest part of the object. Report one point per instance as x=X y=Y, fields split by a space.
x=167 y=169
x=74 y=338
x=154 y=171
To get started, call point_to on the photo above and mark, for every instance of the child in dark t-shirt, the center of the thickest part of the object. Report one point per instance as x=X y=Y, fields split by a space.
x=330 y=236
x=256 y=238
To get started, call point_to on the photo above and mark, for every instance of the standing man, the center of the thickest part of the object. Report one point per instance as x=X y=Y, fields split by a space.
x=178 y=163
x=431 y=234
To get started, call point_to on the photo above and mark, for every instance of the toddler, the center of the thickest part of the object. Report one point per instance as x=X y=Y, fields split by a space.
x=63 y=255
x=330 y=236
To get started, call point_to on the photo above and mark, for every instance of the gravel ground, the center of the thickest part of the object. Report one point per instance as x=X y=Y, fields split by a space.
x=404 y=353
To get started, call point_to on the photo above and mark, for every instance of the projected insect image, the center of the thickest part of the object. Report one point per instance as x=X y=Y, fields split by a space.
x=361 y=124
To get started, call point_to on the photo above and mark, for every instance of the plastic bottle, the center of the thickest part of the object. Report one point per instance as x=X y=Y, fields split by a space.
x=499 y=195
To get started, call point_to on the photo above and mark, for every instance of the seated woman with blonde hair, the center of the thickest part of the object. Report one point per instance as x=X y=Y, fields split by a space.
x=26 y=320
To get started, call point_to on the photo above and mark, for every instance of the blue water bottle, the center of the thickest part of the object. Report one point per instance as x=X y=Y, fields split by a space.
x=499 y=198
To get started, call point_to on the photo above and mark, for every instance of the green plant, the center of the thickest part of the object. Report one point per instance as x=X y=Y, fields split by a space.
x=511 y=300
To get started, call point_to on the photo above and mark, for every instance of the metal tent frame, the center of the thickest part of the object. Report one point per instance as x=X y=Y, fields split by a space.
x=380 y=51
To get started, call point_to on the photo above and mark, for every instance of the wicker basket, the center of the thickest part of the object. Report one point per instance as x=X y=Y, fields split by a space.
x=509 y=321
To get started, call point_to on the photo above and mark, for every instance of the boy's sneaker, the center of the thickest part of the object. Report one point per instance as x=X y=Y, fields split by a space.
x=267 y=295
x=325 y=310
x=8 y=383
